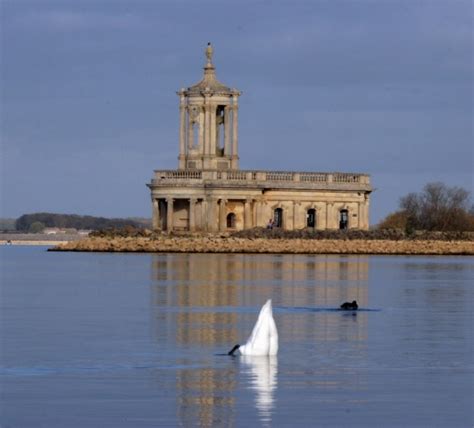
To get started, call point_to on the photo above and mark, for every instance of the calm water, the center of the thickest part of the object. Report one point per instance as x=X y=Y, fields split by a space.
x=130 y=340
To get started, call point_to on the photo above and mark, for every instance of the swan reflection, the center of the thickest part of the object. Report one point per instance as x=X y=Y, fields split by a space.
x=262 y=375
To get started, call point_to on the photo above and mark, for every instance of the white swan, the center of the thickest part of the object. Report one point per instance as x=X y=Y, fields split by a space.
x=264 y=337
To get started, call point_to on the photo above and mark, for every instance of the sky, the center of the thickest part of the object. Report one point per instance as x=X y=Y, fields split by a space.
x=88 y=104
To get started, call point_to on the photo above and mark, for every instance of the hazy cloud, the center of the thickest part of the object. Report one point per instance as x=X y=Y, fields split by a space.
x=69 y=20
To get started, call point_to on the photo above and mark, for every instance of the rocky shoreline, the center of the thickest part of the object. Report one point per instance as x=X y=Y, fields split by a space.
x=231 y=244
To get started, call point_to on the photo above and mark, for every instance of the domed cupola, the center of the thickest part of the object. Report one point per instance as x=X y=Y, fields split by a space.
x=209 y=82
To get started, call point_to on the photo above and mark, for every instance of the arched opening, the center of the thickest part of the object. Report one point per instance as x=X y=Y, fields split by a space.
x=220 y=130
x=343 y=219
x=231 y=221
x=278 y=217
x=195 y=135
x=311 y=218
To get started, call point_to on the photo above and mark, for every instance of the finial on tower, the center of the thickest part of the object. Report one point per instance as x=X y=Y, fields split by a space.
x=209 y=52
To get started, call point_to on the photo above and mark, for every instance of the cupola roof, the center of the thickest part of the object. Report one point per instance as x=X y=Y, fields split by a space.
x=209 y=82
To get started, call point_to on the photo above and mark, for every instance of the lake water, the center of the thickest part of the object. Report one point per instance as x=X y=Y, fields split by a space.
x=131 y=340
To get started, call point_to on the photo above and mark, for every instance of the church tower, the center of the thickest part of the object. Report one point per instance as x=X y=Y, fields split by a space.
x=208 y=129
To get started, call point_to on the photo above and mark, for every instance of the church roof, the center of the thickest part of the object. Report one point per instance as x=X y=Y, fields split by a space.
x=209 y=81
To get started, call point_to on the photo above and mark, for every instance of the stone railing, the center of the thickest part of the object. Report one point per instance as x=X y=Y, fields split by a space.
x=280 y=176
x=261 y=176
x=185 y=174
x=313 y=177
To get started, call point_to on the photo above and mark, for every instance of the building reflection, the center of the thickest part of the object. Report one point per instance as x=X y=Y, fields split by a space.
x=198 y=301
x=205 y=397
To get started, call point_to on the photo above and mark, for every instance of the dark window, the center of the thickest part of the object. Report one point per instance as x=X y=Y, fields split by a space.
x=311 y=218
x=343 y=219
x=231 y=221
x=220 y=118
x=278 y=218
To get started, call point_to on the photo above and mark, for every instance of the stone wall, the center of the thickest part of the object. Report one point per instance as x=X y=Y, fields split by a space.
x=220 y=244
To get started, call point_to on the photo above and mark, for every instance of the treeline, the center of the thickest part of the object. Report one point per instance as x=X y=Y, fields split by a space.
x=436 y=208
x=37 y=221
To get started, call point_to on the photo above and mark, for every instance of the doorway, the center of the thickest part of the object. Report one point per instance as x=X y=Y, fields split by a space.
x=231 y=221
x=278 y=217
x=343 y=219
x=311 y=218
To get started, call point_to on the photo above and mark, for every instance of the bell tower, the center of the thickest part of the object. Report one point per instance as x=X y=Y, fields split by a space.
x=208 y=123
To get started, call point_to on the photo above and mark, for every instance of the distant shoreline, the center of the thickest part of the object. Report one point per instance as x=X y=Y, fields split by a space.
x=38 y=238
x=223 y=244
x=31 y=243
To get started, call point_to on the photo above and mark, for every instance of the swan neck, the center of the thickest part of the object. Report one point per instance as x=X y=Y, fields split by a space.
x=231 y=352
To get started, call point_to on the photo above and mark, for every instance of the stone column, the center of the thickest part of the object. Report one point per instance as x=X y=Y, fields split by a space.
x=360 y=215
x=202 y=127
x=321 y=218
x=254 y=208
x=295 y=214
x=192 y=214
x=365 y=212
x=155 y=214
x=227 y=131
x=204 y=215
x=190 y=131
x=182 y=131
x=329 y=222
x=211 y=215
x=261 y=219
x=213 y=133
x=235 y=135
x=222 y=215
x=247 y=215
x=169 y=214
x=207 y=125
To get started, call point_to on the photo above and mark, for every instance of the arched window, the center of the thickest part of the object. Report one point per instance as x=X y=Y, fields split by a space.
x=231 y=221
x=343 y=219
x=195 y=135
x=311 y=218
x=220 y=118
x=278 y=217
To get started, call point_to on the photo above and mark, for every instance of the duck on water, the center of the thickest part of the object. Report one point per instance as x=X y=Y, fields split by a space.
x=348 y=306
x=264 y=337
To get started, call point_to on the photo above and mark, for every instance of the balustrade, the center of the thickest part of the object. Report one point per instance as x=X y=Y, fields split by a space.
x=346 y=178
x=313 y=177
x=280 y=176
x=236 y=175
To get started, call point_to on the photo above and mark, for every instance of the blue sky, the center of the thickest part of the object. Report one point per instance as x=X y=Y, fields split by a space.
x=89 y=109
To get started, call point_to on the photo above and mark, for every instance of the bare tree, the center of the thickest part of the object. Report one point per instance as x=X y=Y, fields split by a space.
x=437 y=207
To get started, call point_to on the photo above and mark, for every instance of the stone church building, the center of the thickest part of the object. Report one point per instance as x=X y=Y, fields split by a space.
x=208 y=192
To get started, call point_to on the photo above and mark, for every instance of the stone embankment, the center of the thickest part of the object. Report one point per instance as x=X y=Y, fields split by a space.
x=232 y=244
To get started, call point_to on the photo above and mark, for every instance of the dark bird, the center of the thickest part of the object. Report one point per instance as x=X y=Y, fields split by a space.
x=346 y=306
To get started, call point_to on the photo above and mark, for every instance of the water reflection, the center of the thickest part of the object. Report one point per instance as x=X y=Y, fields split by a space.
x=206 y=303
x=132 y=344
x=262 y=374
x=190 y=280
x=205 y=397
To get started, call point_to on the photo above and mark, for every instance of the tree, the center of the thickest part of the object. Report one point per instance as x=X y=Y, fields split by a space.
x=436 y=208
x=36 y=227
x=396 y=220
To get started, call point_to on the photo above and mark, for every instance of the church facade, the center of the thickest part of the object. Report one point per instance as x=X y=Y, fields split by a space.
x=209 y=193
